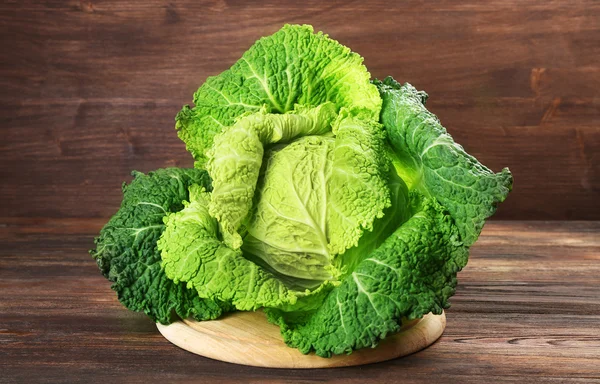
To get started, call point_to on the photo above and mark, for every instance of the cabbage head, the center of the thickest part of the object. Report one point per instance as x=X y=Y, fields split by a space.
x=336 y=203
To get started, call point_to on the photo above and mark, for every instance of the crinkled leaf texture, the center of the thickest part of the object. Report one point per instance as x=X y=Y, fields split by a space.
x=236 y=157
x=324 y=180
x=429 y=160
x=414 y=271
x=339 y=206
x=127 y=254
x=317 y=197
x=192 y=253
x=411 y=274
x=292 y=66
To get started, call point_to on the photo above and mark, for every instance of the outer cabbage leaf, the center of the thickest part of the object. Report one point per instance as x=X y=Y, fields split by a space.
x=127 y=254
x=292 y=66
x=411 y=274
x=429 y=160
x=236 y=156
x=192 y=253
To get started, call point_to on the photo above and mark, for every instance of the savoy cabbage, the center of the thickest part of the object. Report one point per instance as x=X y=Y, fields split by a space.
x=339 y=205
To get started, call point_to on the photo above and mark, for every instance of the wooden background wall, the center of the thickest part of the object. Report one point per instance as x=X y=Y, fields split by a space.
x=89 y=89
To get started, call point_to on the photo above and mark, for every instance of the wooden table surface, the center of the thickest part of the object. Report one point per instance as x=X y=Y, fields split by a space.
x=527 y=310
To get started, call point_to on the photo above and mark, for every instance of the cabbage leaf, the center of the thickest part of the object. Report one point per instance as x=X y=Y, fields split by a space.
x=292 y=66
x=127 y=254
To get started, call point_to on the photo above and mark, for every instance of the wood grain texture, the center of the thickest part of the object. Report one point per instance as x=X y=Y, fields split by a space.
x=527 y=309
x=247 y=338
x=89 y=89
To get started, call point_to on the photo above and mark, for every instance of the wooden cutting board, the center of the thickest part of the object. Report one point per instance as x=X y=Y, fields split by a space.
x=247 y=338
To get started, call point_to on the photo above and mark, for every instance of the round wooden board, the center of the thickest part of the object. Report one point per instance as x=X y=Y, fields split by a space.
x=247 y=338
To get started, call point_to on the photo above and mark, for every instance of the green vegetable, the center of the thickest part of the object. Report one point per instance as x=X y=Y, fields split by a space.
x=429 y=160
x=411 y=274
x=236 y=157
x=293 y=66
x=414 y=271
x=126 y=249
x=339 y=205
x=192 y=253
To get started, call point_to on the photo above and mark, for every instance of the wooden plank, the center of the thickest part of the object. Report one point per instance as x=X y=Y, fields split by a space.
x=526 y=310
x=76 y=169
x=105 y=48
x=89 y=89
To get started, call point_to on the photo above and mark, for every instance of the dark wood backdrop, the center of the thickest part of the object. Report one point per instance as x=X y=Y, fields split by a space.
x=89 y=89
